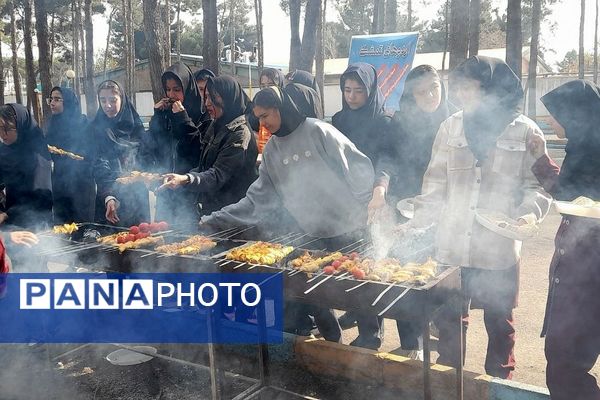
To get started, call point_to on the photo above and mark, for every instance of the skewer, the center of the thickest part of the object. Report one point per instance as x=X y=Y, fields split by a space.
x=342 y=276
x=237 y=266
x=225 y=231
x=318 y=284
x=391 y=285
x=289 y=240
x=397 y=299
x=226 y=262
x=350 y=245
x=315 y=277
x=309 y=242
x=298 y=238
x=294 y=272
x=357 y=286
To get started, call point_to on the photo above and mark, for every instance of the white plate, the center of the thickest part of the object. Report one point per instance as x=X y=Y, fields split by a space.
x=128 y=357
x=565 y=207
x=406 y=207
x=505 y=226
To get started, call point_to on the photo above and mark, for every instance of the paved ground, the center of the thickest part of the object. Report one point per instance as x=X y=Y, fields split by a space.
x=529 y=352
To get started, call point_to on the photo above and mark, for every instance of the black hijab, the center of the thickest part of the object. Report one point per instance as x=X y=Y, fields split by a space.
x=306 y=100
x=203 y=74
x=119 y=134
x=499 y=106
x=305 y=78
x=358 y=125
x=64 y=129
x=576 y=107
x=235 y=100
x=275 y=75
x=291 y=116
x=192 y=101
x=418 y=125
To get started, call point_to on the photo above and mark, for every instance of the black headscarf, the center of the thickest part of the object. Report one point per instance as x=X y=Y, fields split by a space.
x=499 y=106
x=576 y=107
x=419 y=124
x=118 y=135
x=275 y=75
x=306 y=100
x=64 y=129
x=192 y=101
x=203 y=74
x=30 y=136
x=235 y=100
x=305 y=78
x=357 y=125
x=291 y=116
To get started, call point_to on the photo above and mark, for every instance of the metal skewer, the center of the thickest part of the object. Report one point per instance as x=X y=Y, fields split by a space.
x=390 y=286
x=315 y=277
x=397 y=299
x=318 y=284
x=357 y=286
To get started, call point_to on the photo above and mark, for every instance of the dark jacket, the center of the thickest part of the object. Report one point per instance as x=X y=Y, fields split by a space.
x=73 y=188
x=227 y=165
x=25 y=172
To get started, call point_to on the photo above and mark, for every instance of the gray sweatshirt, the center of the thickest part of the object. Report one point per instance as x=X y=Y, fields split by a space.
x=316 y=174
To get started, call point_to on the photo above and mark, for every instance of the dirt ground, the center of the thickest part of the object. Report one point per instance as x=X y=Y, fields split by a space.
x=529 y=316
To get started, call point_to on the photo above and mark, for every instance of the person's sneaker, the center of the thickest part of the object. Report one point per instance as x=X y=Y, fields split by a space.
x=366 y=343
x=347 y=321
x=412 y=354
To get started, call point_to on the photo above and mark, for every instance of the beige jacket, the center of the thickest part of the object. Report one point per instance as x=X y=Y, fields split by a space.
x=454 y=187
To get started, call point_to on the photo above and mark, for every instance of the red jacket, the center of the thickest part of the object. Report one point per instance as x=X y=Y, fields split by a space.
x=4 y=260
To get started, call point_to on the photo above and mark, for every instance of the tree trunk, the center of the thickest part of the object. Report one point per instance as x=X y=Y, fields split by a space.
x=378 y=16
x=232 y=46
x=178 y=30
x=165 y=33
x=459 y=31
x=44 y=60
x=259 y=33
x=80 y=31
x=533 y=57
x=474 y=26
x=2 y=76
x=320 y=56
x=514 y=37
x=91 y=102
x=15 y=59
x=596 y=46
x=76 y=54
x=295 y=43
x=108 y=34
x=581 y=49
x=155 y=55
x=409 y=15
x=446 y=33
x=391 y=12
x=52 y=37
x=32 y=100
x=210 y=47
x=312 y=17
x=128 y=36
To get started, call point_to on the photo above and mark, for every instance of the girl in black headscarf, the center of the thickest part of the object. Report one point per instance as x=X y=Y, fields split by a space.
x=118 y=131
x=271 y=77
x=364 y=121
x=201 y=77
x=175 y=140
x=227 y=165
x=571 y=324
x=24 y=170
x=72 y=182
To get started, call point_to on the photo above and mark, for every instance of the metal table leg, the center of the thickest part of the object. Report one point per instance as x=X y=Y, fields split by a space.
x=426 y=363
x=459 y=368
x=215 y=376
x=263 y=348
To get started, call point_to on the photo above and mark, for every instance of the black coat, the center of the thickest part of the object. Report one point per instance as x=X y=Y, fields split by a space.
x=227 y=165
x=25 y=173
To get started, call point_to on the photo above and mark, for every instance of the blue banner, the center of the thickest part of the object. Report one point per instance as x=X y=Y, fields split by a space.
x=141 y=308
x=392 y=55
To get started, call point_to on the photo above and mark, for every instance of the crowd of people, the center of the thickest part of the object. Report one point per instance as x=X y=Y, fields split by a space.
x=272 y=162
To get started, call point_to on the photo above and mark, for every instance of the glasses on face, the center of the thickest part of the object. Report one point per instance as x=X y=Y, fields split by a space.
x=53 y=99
x=5 y=131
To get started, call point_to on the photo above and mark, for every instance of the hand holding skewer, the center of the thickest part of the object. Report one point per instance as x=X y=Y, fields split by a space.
x=24 y=238
x=111 y=211
x=173 y=181
x=376 y=205
x=536 y=146
x=177 y=107
x=163 y=104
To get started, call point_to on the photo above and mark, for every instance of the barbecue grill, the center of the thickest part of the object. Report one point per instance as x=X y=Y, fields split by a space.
x=343 y=292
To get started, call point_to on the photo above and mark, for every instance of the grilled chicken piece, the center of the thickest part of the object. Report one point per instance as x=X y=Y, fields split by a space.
x=193 y=245
x=260 y=253
x=61 y=152
x=65 y=229
x=318 y=263
x=137 y=176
